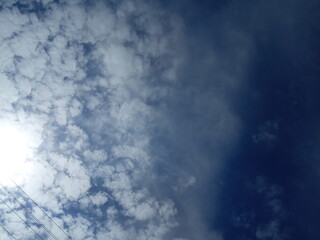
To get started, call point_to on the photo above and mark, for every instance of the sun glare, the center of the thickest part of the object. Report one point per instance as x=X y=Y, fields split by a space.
x=14 y=152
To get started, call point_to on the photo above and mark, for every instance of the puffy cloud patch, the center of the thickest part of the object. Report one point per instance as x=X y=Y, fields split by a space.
x=75 y=76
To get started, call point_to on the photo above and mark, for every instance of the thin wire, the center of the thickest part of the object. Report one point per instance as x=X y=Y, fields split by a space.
x=40 y=208
x=24 y=221
x=8 y=232
x=31 y=214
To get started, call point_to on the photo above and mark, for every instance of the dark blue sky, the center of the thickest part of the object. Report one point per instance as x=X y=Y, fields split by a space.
x=160 y=120
x=278 y=104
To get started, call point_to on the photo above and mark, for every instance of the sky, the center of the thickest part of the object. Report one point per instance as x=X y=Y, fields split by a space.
x=159 y=120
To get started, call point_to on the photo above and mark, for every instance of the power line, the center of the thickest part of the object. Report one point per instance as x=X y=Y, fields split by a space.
x=24 y=221
x=28 y=211
x=40 y=208
x=9 y=233
x=31 y=214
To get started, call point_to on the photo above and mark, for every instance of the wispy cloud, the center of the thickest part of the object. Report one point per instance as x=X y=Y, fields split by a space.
x=267 y=221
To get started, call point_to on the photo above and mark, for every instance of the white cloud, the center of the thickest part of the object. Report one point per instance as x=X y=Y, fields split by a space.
x=88 y=131
x=8 y=93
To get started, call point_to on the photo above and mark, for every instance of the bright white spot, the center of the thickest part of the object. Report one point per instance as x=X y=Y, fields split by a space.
x=14 y=152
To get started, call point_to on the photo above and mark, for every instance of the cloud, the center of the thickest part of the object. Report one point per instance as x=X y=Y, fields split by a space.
x=270 y=230
x=130 y=114
x=267 y=133
x=199 y=123
x=269 y=220
x=75 y=76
